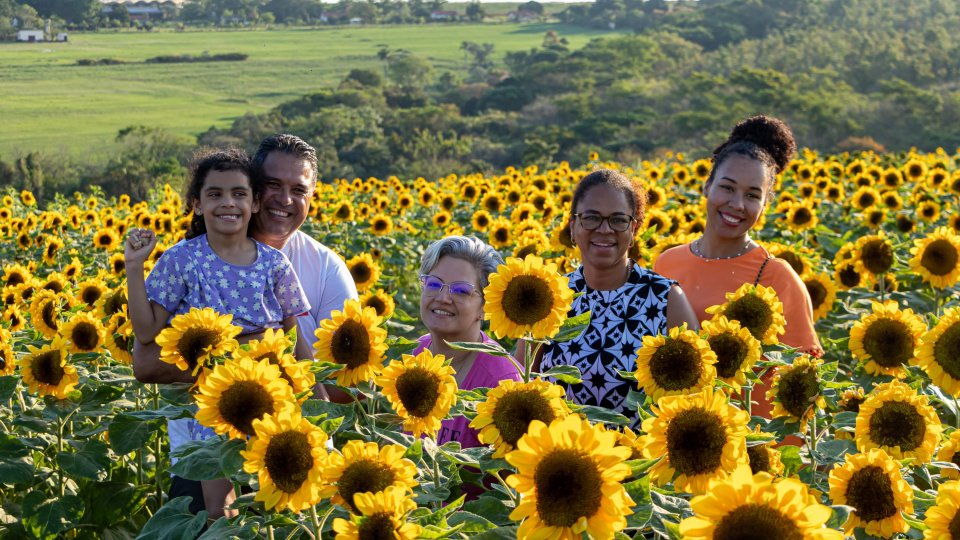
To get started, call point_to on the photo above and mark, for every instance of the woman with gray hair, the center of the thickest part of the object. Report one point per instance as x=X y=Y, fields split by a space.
x=453 y=274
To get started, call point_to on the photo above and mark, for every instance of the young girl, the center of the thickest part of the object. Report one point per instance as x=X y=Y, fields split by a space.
x=216 y=266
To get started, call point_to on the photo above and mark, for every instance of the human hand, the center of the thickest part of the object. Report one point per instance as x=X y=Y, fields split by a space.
x=138 y=246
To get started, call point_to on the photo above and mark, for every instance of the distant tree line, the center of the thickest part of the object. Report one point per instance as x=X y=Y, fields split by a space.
x=846 y=74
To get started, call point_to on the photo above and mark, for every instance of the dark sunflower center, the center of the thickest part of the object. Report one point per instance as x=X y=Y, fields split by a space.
x=123 y=343
x=818 y=293
x=731 y=352
x=757 y=522
x=529 y=249
x=115 y=303
x=802 y=216
x=194 y=342
x=527 y=300
x=343 y=212
x=361 y=272
x=849 y=276
x=793 y=260
x=378 y=225
x=798 y=390
x=676 y=365
x=695 y=441
x=418 y=389
x=377 y=527
x=270 y=356
x=376 y=303
x=119 y=266
x=16 y=278
x=492 y=204
x=889 y=342
x=939 y=257
x=877 y=256
x=90 y=295
x=954 y=526
x=501 y=234
x=852 y=404
x=759 y=458
x=242 y=403
x=870 y=492
x=85 y=336
x=54 y=286
x=46 y=368
x=482 y=221
x=515 y=410
x=946 y=351
x=363 y=476
x=103 y=240
x=288 y=460
x=867 y=199
x=568 y=486
x=49 y=315
x=350 y=344
x=752 y=313
x=897 y=423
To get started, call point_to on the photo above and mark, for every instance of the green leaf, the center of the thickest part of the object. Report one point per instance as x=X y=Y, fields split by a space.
x=500 y=533
x=16 y=471
x=43 y=518
x=839 y=516
x=639 y=491
x=90 y=460
x=790 y=457
x=224 y=528
x=332 y=425
x=573 y=327
x=415 y=452
x=125 y=500
x=8 y=385
x=601 y=414
x=835 y=451
x=12 y=448
x=472 y=523
x=199 y=460
x=491 y=508
x=639 y=466
x=489 y=348
x=102 y=394
x=174 y=522
x=231 y=462
x=129 y=432
x=567 y=374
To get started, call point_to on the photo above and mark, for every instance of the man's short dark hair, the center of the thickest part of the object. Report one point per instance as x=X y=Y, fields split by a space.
x=286 y=144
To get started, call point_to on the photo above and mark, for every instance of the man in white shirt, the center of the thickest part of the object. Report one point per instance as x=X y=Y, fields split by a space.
x=286 y=170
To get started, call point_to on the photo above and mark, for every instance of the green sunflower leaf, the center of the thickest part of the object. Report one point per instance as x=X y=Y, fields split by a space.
x=128 y=432
x=174 y=522
x=43 y=518
x=566 y=374
x=90 y=460
x=572 y=327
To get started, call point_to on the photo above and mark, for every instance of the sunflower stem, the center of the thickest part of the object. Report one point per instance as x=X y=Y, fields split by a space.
x=956 y=412
x=316 y=521
x=436 y=479
x=745 y=399
x=513 y=497
x=882 y=282
x=60 y=450
x=270 y=532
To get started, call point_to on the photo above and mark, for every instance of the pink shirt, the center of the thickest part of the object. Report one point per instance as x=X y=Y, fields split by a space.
x=487 y=372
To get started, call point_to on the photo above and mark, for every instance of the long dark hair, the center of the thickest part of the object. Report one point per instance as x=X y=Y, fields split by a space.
x=231 y=159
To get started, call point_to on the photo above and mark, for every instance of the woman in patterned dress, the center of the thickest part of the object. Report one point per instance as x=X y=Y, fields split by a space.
x=626 y=301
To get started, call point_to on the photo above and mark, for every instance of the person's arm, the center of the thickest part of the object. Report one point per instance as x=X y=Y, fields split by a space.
x=147 y=318
x=148 y=368
x=679 y=310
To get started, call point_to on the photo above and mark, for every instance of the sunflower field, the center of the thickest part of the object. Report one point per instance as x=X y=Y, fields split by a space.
x=864 y=442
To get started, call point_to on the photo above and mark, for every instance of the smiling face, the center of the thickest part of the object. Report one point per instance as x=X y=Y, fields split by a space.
x=449 y=316
x=288 y=187
x=736 y=198
x=226 y=203
x=603 y=247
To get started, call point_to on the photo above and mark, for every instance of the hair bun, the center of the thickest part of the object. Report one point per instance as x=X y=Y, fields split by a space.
x=769 y=133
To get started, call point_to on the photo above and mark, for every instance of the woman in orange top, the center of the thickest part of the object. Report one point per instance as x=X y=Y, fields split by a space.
x=738 y=189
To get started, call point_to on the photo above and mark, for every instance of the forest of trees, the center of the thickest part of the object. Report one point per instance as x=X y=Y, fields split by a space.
x=846 y=74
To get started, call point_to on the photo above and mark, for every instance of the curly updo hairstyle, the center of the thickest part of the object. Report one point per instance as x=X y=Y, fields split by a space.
x=766 y=139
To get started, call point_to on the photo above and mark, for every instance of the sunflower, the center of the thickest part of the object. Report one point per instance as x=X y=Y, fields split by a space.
x=194 y=338
x=27 y=198
x=25 y=240
x=851 y=399
x=237 y=392
x=117 y=264
x=823 y=293
x=73 y=270
x=45 y=309
x=8 y=361
x=795 y=391
x=342 y=212
x=276 y=349
x=13 y=318
x=421 y=389
x=735 y=348
x=752 y=505
x=936 y=258
x=89 y=291
x=54 y=281
x=381 y=224
x=527 y=298
x=680 y=362
x=865 y=197
x=118 y=339
x=112 y=302
x=363 y=467
x=765 y=458
x=872 y=484
x=480 y=220
x=364 y=270
x=756 y=308
x=45 y=370
x=382 y=515
x=568 y=476
x=849 y=274
x=950 y=453
x=942 y=520
x=938 y=355
x=700 y=436
x=929 y=211
x=886 y=339
x=83 y=333
x=510 y=407
x=353 y=338
x=897 y=420
x=801 y=216
x=499 y=233
x=288 y=454
x=15 y=274
x=380 y=301
x=51 y=249
x=105 y=239
x=876 y=253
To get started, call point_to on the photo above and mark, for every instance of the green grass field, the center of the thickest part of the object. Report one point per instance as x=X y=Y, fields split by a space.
x=50 y=103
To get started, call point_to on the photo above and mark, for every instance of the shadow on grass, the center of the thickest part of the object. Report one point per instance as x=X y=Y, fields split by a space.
x=561 y=29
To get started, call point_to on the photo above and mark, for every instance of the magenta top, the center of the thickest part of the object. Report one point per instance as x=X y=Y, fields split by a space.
x=487 y=372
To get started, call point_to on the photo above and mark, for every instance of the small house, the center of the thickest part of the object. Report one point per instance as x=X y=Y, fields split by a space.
x=30 y=35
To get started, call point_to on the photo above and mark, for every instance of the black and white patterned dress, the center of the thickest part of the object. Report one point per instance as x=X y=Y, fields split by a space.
x=619 y=319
